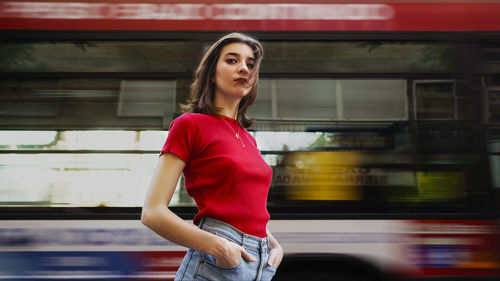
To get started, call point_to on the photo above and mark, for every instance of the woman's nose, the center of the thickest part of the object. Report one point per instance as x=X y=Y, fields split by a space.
x=243 y=68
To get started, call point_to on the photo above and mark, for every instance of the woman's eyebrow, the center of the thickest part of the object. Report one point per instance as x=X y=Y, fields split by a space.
x=238 y=55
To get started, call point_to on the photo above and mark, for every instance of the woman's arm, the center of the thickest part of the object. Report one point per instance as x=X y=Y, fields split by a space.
x=276 y=252
x=157 y=216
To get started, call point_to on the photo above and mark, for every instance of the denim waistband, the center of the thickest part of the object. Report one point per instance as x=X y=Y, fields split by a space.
x=227 y=231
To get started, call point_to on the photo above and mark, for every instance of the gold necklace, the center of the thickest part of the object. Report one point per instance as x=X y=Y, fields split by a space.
x=236 y=134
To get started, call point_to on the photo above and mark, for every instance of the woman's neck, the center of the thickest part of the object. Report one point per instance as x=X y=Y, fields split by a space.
x=227 y=108
x=228 y=113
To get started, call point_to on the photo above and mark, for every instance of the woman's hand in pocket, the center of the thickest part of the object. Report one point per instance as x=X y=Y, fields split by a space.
x=231 y=254
x=275 y=257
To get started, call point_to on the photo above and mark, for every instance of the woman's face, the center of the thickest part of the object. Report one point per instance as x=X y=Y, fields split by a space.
x=234 y=72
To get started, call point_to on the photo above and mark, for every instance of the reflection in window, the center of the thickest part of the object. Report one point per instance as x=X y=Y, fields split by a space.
x=355 y=57
x=87 y=103
x=327 y=99
x=75 y=180
x=82 y=140
x=435 y=99
x=495 y=167
x=283 y=141
x=494 y=147
x=147 y=98
x=374 y=99
x=68 y=168
x=295 y=99
x=177 y=56
x=100 y=56
x=26 y=139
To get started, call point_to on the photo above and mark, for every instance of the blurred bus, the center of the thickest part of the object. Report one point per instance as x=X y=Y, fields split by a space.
x=380 y=119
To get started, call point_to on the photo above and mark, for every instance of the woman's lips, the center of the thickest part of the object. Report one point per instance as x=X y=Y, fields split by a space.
x=241 y=80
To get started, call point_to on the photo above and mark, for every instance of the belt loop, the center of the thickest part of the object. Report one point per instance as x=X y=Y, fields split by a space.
x=243 y=240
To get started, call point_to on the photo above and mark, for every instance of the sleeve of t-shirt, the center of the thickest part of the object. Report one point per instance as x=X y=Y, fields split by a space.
x=181 y=138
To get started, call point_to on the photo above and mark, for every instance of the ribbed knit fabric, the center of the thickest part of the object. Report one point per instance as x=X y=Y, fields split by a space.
x=228 y=182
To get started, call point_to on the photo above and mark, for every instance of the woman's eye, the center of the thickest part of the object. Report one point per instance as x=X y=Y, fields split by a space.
x=231 y=61
x=250 y=65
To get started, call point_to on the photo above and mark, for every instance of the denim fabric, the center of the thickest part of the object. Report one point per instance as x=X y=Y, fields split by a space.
x=201 y=266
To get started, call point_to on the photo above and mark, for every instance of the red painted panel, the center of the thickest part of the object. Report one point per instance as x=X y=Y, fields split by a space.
x=158 y=16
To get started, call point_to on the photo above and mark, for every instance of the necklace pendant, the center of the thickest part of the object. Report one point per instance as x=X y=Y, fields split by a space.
x=236 y=134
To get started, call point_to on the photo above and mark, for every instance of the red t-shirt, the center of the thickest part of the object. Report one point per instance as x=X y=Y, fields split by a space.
x=229 y=182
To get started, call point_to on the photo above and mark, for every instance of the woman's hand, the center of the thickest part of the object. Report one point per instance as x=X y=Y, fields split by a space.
x=275 y=252
x=231 y=255
x=275 y=256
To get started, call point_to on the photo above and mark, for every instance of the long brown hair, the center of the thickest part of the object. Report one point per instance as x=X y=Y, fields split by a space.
x=203 y=89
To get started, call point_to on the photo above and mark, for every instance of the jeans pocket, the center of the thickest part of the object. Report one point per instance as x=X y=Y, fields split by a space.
x=208 y=270
x=211 y=260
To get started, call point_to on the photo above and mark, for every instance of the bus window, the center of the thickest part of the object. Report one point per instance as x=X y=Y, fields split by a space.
x=80 y=168
x=100 y=56
x=340 y=99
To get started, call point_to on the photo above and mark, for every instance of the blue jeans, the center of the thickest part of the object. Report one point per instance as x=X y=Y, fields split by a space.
x=201 y=266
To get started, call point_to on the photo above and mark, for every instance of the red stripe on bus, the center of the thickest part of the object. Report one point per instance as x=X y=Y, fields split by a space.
x=223 y=16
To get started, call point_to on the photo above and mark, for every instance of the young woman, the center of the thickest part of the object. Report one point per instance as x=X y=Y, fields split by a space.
x=223 y=169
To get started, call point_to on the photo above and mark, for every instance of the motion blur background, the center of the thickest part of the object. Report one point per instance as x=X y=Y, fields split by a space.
x=381 y=122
